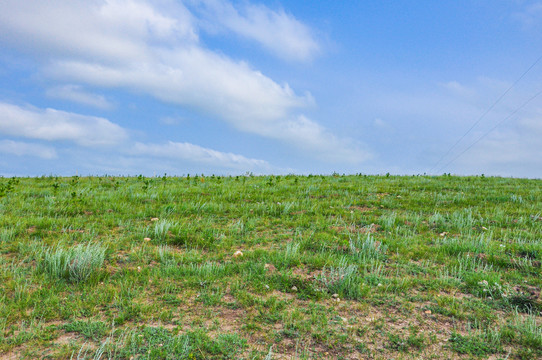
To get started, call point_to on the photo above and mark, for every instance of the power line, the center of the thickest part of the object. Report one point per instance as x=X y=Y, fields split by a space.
x=493 y=128
x=484 y=114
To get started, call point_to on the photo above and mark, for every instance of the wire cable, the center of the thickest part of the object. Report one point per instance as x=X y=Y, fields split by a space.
x=492 y=129
x=485 y=113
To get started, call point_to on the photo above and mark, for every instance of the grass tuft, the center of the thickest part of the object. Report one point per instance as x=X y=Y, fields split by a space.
x=76 y=264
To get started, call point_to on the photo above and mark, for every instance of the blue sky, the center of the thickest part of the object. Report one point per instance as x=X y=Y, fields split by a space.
x=127 y=87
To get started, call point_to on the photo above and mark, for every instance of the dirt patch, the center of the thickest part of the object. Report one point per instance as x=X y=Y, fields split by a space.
x=65 y=339
x=12 y=355
x=368 y=229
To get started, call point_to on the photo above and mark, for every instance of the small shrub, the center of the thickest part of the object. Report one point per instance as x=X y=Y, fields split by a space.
x=75 y=264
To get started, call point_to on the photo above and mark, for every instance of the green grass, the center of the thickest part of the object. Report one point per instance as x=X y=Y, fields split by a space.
x=332 y=267
x=75 y=264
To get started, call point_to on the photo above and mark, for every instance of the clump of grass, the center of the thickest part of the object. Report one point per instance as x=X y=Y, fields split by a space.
x=367 y=249
x=526 y=331
x=7 y=235
x=453 y=246
x=388 y=221
x=161 y=229
x=93 y=330
x=165 y=255
x=292 y=249
x=76 y=264
x=342 y=280
x=477 y=343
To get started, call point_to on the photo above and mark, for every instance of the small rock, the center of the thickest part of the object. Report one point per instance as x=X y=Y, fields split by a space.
x=238 y=253
x=335 y=296
x=294 y=288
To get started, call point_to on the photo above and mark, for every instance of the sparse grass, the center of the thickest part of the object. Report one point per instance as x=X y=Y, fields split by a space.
x=332 y=267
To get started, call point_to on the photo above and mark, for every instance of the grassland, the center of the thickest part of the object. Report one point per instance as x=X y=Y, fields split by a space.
x=327 y=267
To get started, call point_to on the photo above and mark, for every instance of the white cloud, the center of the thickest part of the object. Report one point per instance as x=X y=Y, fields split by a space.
x=316 y=140
x=108 y=30
x=196 y=77
x=27 y=149
x=76 y=94
x=56 y=125
x=154 y=49
x=245 y=98
x=197 y=154
x=277 y=31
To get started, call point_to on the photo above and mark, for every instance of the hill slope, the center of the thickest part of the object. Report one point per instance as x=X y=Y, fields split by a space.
x=346 y=267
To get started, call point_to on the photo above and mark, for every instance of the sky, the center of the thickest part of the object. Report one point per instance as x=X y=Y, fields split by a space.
x=129 y=87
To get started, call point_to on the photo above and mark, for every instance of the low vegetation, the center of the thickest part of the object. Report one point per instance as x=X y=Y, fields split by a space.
x=270 y=267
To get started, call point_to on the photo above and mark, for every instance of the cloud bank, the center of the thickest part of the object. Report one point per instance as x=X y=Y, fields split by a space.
x=56 y=125
x=27 y=149
x=198 y=154
x=154 y=48
x=77 y=94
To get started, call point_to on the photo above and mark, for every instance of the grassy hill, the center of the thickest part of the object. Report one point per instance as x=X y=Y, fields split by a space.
x=271 y=267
